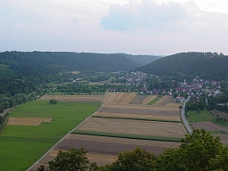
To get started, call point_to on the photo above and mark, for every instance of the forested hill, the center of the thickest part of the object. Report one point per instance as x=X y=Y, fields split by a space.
x=211 y=66
x=68 y=61
x=21 y=72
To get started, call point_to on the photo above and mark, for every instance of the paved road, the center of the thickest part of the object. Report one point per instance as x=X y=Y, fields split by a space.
x=185 y=122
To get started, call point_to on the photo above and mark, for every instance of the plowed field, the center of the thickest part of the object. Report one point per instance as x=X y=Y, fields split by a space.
x=103 y=150
x=140 y=116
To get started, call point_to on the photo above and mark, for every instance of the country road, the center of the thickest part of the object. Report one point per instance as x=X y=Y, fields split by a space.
x=183 y=118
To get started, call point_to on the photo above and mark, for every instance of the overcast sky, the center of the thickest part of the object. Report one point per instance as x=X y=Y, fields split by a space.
x=156 y=27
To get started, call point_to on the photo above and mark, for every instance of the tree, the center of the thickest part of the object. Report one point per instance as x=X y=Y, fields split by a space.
x=72 y=160
x=137 y=160
x=198 y=151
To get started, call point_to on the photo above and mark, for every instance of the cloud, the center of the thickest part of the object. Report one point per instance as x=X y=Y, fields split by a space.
x=146 y=14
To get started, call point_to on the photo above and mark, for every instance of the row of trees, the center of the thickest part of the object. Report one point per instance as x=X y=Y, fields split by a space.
x=199 y=152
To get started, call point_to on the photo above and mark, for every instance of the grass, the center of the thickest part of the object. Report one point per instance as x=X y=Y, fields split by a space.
x=129 y=136
x=144 y=119
x=24 y=145
x=154 y=100
x=204 y=115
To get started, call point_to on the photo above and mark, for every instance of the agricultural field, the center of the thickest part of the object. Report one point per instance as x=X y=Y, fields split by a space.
x=73 y=98
x=124 y=122
x=103 y=150
x=209 y=121
x=163 y=101
x=119 y=98
x=34 y=127
x=133 y=127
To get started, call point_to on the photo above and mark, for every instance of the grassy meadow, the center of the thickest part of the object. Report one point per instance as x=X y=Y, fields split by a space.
x=204 y=115
x=24 y=145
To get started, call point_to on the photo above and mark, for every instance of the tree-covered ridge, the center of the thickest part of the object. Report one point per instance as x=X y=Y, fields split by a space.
x=69 y=61
x=21 y=72
x=211 y=66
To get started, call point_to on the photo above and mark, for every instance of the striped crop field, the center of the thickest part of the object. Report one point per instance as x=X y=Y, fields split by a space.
x=118 y=98
x=148 y=99
x=133 y=127
x=137 y=116
x=163 y=101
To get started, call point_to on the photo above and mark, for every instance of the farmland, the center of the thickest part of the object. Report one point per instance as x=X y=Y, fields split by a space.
x=35 y=127
x=126 y=115
x=125 y=121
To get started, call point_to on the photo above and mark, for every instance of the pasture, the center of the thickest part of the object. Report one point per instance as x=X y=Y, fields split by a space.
x=22 y=145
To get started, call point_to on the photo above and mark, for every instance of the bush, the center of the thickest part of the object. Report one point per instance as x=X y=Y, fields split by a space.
x=53 y=101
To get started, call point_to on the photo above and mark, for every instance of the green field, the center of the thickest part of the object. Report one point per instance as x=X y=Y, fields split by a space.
x=154 y=100
x=204 y=115
x=24 y=145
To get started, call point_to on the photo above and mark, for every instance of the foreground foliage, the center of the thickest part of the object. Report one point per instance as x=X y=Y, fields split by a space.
x=199 y=152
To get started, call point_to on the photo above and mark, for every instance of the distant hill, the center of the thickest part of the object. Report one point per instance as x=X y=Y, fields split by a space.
x=142 y=59
x=209 y=65
x=69 y=61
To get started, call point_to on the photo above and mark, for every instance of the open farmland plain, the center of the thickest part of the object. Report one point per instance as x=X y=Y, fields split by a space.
x=34 y=127
x=124 y=122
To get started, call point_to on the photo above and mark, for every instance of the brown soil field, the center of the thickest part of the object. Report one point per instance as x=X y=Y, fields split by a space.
x=141 y=116
x=118 y=98
x=148 y=99
x=209 y=126
x=135 y=110
x=222 y=115
x=173 y=105
x=142 y=107
x=27 y=121
x=104 y=150
x=163 y=101
x=212 y=127
x=134 y=127
x=73 y=98
x=138 y=99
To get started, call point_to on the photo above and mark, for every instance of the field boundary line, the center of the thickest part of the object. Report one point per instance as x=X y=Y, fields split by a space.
x=130 y=136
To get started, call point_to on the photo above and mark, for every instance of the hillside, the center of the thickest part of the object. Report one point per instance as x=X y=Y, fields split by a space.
x=70 y=61
x=142 y=59
x=21 y=72
x=211 y=66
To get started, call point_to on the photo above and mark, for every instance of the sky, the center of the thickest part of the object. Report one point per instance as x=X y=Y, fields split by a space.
x=152 y=27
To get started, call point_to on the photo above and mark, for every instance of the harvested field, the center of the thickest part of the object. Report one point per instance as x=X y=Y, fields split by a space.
x=209 y=126
x=73 y=98
x=163 y=101
x=27 y=121
x=140 y=110
x=140 y=116
x=118 y=98
x=222 y=115
x=133 y=127
x=138 y=99
x=148 y=99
